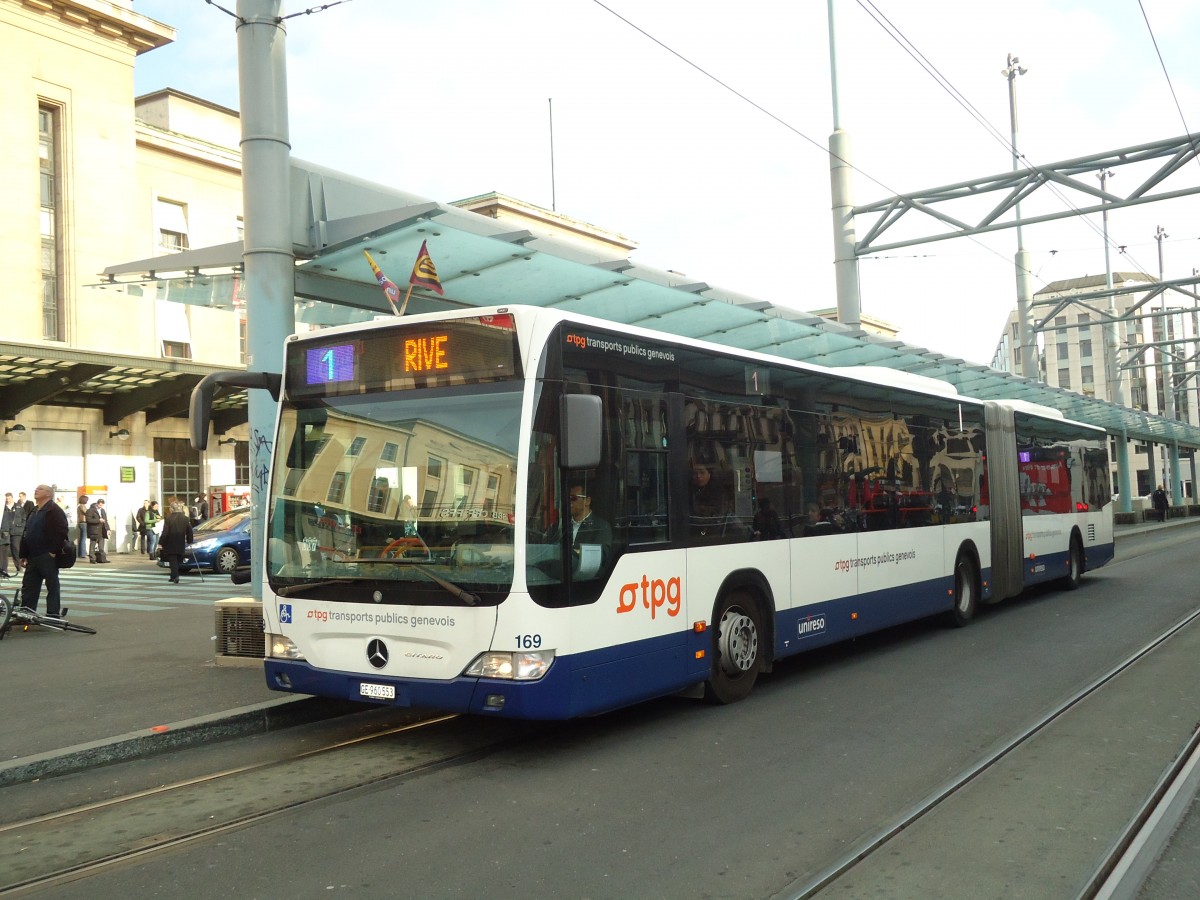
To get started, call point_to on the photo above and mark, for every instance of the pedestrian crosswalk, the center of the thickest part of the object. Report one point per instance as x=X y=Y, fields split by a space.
x=89 y=590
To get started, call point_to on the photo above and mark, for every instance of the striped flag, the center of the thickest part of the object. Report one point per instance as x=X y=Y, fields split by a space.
x=390 y=290
x=424 y=273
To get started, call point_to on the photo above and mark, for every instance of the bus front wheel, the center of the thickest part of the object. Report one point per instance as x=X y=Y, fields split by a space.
x=966 y=591
x=736 y=648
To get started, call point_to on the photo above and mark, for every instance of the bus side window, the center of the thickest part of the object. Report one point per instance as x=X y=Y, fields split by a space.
x=639 y=499
x=720 y=459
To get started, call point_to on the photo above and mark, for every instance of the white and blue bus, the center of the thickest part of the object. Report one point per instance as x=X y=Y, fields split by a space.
x=516 y=512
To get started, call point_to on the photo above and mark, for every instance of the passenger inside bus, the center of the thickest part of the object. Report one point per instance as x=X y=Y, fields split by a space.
x=815 y=522
x=767 y=526
x=706 y=496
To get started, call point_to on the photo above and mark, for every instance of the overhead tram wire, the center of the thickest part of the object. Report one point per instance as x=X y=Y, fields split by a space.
x=931 y=69
x=829 y=153
x=911 y=49
x=1167 y=75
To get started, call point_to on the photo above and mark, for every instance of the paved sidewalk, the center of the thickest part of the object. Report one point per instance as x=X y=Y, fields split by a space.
x=147 y=680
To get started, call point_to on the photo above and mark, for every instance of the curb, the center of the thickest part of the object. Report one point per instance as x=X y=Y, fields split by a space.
x=260 y=718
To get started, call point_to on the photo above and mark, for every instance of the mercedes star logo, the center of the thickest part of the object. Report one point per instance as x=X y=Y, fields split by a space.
x=377 y=653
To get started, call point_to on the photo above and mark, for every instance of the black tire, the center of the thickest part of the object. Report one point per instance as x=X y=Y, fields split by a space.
x=736 y=648
x=1075 y=565
x=966 y=591
x=5 y=615
x=226 y=561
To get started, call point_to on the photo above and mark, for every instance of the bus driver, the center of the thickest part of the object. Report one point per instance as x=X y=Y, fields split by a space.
x=587 y=530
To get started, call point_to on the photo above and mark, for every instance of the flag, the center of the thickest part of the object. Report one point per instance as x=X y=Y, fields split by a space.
x=424 y=274
x=390 y=290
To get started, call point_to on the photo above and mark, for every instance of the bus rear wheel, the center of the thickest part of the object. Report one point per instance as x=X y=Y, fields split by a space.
x=736 y=648
x=1074 y=564
x=966 y=591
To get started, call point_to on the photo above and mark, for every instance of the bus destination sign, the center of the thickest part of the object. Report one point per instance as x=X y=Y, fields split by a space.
x=461 y=351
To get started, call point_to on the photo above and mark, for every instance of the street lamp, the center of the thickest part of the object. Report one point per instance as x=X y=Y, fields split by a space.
x=1028 y=354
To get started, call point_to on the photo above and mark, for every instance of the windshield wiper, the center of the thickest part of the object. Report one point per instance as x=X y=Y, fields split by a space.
x=289 y=589
x=449 y=586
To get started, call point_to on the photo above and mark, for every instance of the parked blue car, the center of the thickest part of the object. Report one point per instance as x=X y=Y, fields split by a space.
x=221 y=543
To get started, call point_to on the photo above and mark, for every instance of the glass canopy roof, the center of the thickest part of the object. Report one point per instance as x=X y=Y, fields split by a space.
x=483 y=262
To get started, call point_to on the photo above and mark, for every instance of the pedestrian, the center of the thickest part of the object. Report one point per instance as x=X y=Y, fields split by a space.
x=199 y=511
x=153 y=527
x=81 y=524
x=6 y=520
x=139 y=524
x=1160 y=501
x=43 y=539
x=97 y=528
x=176 y=535
x=19 y=515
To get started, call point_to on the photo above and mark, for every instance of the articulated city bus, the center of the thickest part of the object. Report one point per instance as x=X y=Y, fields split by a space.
x=516 y=512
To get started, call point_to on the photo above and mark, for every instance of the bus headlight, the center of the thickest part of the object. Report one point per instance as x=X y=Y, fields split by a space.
x=525 y=665
x=280 y=647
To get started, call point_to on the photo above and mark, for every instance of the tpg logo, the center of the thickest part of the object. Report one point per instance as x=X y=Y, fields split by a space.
x=653 y=595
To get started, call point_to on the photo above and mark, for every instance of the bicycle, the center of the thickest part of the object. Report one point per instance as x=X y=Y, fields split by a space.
x=13 y=615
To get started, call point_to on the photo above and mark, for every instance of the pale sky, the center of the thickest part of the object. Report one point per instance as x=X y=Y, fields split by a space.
x=450 y=99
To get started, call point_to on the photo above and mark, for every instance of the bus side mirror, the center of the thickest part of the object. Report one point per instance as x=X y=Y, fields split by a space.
x=580 y=416
x=200 y=406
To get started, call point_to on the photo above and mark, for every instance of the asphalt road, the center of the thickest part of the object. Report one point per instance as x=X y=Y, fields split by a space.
x=679 y=799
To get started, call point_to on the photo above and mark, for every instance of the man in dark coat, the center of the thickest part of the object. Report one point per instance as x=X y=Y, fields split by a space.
x=176 y=535
x=42 y=542
x=97 y=528
x=1161 y=504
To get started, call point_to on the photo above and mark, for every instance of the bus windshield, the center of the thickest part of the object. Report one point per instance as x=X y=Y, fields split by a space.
x=396 y=497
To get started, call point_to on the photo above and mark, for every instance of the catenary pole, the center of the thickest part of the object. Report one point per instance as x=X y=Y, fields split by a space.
x=267 y=253
x=1112 y=342
x=1165 y=352
x=845 y=259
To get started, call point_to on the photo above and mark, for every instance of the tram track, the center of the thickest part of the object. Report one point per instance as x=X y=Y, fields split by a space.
x=72 y=843
x=1133 y=855
x=1116 y=857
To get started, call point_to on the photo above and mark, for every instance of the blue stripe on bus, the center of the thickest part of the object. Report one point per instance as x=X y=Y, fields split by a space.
x=612 y=677
x=831 y=621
